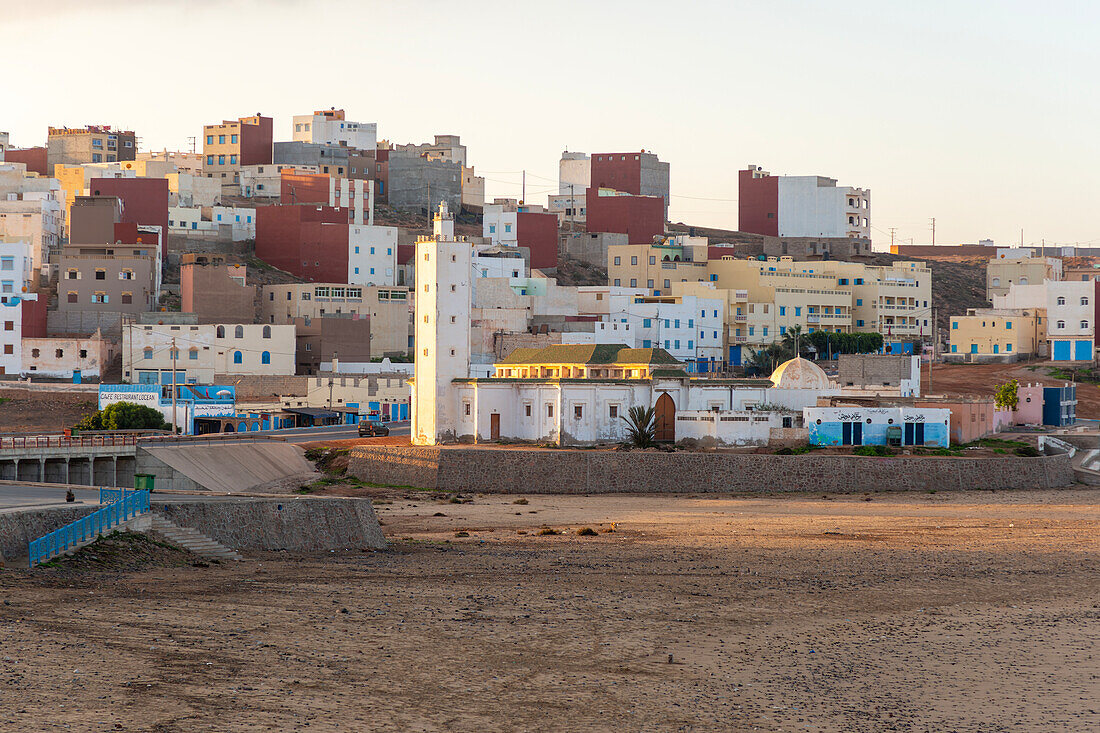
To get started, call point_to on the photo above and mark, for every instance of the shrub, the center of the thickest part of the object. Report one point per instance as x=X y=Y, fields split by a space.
x=1027 y=451
x=641 y=426
x=520 y=501
x=546 y=531
x=124 y=416
x=872 y=450
x=586 y=532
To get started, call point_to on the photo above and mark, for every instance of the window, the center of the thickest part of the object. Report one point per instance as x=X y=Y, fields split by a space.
x=1060 y=324
x=549 y=410
x=634 y=260
x=209 y=139
x=265 y=357
x=238 y=357
x=267 y=332
x=797 y=311
x=72 y=275
x=1061 y=301
x=238 y=332
x=507 y=228
x=578 y=412
x=127 y=298
x=193 y=354
x=100 y=274
x=221 y=161
x=752 y=329
x=210 y=160
x=221 y=139
x=613 y=411
x=618 y=260
x=100 y=298
x=633 y=283
x=220 y=332
x=72 y=297
x=954 y=325
x=147 y=354
x=1008 y=325
x=1084 y=324
x=233 y=139
x=782 y=310
x=7 y=263
x=10 y=348
x=1084 y=301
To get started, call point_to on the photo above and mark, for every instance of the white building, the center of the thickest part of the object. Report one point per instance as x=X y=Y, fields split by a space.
x=266 y=181
x=443 y=292
x=67 y=358
x=15 y=280
x=329 y=127
x=372 y=254
x=1071 y=319
x=499 y=222
x=33 y=209
x=499 y=262
x=199 y=352
x=809 y=206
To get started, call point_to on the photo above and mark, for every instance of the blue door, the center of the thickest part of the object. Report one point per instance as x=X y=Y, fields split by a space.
x=76 y=376
x=1062 y=351
x=846 y=433
x=909 y=433
x=1082 y=350
x=996 y=348
x=735 y=355
x=857 y=433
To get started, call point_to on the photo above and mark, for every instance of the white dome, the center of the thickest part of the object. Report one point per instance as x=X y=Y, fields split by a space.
x=798 y=373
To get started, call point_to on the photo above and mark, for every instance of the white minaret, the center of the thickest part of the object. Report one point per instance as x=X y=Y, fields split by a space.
x=443 y=266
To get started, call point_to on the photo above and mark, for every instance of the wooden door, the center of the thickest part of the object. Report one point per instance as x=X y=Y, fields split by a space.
x=494 y=426
x=665 y=418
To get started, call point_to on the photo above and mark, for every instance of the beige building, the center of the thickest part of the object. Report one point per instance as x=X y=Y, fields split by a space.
x=389 y=309
x=199 y=352
x=91 y=144
x=63 y=358
x=387 y=394
x=121 y=278
x=182 y=162
x=986 y=334
x=1002 y=274
x=235 y=143
x=655 y=267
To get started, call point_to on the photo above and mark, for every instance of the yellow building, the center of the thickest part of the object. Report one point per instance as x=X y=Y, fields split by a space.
x=988 y=333
x=1002 y=273
x=657 y=266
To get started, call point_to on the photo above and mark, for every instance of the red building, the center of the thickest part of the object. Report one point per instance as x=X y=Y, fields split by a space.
x=641 y=218
x=639 y=173
x=33 y=158
x=757 y=203
x=144 y=201
x=34 y=318
x=303 y=188
x=538 y=231
x=307 y=240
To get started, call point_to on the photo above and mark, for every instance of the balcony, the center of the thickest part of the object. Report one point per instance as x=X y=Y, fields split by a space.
x=740 y=318
x=741 y=295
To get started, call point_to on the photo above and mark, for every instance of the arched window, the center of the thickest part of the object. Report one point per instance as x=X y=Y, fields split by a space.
x=996 y=281
x=238 y=357
x=267 y=332
x=1061 y=301
x=1084 y=301
x=147 y=354
x=221 y=332
x=1061 y=324
x=1084 y=325
x=265 y=358
x=238 y=332
x=1023 y=281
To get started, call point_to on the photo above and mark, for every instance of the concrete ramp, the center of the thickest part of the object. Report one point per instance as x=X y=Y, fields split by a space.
x=227 y=467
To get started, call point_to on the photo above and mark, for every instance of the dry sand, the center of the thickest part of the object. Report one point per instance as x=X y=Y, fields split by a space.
x=909 y=612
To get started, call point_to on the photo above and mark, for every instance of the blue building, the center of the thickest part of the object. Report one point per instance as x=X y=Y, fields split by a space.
x=1060 y=405
x=900 y=426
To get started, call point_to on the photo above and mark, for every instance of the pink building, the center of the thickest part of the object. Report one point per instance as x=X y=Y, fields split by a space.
x=1029 y=411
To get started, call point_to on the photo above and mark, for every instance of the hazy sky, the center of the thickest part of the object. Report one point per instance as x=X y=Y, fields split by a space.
x=984 y=115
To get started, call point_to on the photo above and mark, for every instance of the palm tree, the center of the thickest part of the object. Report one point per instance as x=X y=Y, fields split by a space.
x=794 y=340
x=641 y=426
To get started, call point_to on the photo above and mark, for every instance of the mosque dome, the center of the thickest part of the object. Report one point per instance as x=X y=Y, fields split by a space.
x=798 y=373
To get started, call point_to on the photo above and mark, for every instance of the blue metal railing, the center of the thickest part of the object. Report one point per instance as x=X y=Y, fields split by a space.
x=60 y=540
x=110 y=496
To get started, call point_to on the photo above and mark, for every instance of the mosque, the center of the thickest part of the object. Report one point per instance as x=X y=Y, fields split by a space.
x=575 y=395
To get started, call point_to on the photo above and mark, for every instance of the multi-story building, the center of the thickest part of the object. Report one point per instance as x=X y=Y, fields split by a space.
x=123 y=276
x=801 y=206
x=641 y=174
x=332 y=127
x=1003 y=272
x=388 y=308
x=144 y=202
x=83 y=358
x=574 y=178
x=90 y=144
x=655 y=265
x=321 y=341
x=236 y=143
x=328 y=158
x=307 y=240
x=689 y=327
x=418 y=181
x=372 y=254
x=37 y=217
x=265 y=181
x=216 y=292
x=508 y=223
x=987 y=334
x=181 y=162
x=16 y=271
x=446 y=147
x=1071 y=319
x=199 y=352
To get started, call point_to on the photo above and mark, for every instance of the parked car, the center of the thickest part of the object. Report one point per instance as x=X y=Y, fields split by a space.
x=369 y=427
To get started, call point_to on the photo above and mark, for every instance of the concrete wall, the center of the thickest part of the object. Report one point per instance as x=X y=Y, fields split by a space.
x=411 y=176
x=297 y=524
x=582 y=472
x=17 y=528
x=590 y=247
x=270 y=466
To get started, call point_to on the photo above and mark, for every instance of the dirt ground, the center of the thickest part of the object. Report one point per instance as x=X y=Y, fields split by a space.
x=27 y=411
x=983 y=379
x=908 y=612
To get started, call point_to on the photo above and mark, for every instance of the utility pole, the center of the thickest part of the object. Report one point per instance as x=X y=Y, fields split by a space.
x=174 y=428
x=933 y=230
x=523 y=194
x=935 y=343
x=893 y=231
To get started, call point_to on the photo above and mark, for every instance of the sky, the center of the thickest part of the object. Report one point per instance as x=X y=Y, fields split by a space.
x=982 y=115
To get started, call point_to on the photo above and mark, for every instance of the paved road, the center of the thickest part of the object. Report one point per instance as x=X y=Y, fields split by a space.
x=308 y=435
x=13 y=495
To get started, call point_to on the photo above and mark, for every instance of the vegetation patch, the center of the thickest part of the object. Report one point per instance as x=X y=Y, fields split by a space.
x=877 y=451
x=123 y=552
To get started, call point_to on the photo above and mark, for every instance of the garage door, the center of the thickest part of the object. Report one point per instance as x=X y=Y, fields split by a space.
x=1082 y=350
x=1062 y=351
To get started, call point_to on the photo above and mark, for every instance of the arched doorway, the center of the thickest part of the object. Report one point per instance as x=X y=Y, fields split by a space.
x=665 y=418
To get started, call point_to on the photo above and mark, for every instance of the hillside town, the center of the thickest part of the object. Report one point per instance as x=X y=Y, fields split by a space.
x=512 y=368
x=294 y=263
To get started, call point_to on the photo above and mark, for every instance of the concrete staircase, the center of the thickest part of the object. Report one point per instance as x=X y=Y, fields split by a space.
x=192 y=540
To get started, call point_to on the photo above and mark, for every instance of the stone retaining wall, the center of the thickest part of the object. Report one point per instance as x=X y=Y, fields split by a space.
x=19 y=527
x=590 y=472
x=296 y=524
